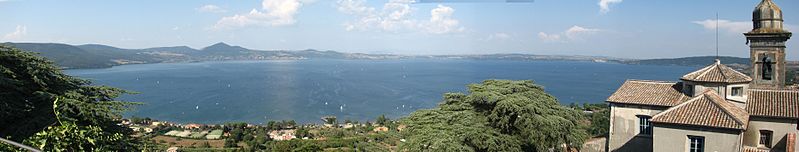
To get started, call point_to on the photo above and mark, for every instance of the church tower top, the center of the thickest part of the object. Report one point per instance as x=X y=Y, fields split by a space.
x=767 y=18
x=767 y=46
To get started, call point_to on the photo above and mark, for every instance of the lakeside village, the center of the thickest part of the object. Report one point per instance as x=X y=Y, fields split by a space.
x=232 y=135
x=383 y=134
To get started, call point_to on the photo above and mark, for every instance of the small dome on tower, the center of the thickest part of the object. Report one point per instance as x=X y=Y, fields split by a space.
x=767 y=18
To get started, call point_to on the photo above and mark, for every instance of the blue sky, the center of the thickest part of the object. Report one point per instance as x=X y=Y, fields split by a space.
x=625 y=28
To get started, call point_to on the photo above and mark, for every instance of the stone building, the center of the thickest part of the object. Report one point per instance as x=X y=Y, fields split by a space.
x=716 y=108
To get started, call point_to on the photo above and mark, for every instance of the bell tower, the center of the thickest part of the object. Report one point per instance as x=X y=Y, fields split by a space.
x=767 y=46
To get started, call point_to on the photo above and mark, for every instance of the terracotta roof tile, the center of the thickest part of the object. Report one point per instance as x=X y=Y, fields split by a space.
x=754 y=149
x=717 y=72
x=773 y=103
x=708 y=109
x=646 y=92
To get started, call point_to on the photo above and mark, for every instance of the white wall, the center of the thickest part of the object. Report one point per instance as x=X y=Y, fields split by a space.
x=674 y=138
x=624 y=127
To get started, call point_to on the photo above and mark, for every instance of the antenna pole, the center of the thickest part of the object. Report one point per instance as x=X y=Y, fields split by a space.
x=717 y=35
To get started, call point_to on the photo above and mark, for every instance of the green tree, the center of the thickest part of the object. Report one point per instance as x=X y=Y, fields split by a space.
x=600 y=123
x=308 y=148
x=290 y=124
x=247 y=137
x=303 y=132
x=330 y=120
x=272 y=125
x=229 y=143
x=30 y=84
x=497 y=115
x=237 y=135
x=382 y=120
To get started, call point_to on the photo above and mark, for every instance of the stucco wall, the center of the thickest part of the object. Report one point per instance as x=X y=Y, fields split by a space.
x=624 y=127
x=740 y=99
x=723 y=89
x=674 y=138
x=779 y=127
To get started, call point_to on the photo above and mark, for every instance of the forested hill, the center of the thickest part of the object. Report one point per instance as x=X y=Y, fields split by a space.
x=691 y=61
x=103 y=56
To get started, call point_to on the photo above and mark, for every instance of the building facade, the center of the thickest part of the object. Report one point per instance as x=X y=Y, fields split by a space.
x=716 y=108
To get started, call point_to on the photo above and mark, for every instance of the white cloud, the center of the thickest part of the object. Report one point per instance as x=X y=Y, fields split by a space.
x=211 y=9
x=604 y=5
x=354 y=7
x=20 y=32
x=573 y=33
x=499 y=36
x=726 y=25
x=275 y=13
x=576 y=31
x=395 y=16
x=441 y=21
x=548 y=37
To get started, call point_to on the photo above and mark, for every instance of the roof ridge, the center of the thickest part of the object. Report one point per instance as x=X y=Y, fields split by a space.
x=674 y=107
x=720 y=67
x=717 y=72
x=702 y=70
x=774 y=90
x=707 y=70
x=737 y=72
x=712 y=98
x=715 y=101
x=650 y=81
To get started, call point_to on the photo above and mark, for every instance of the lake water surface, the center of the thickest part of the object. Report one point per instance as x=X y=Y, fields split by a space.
x=305 y=90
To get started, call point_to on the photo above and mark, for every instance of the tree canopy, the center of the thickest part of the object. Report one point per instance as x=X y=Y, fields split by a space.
x=84 y=115
x=496 y=115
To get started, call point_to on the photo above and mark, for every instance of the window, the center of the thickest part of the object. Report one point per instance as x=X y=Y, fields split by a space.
x=765 y=138
x=689 y=90
x=766 y=66
x=737 y=91
x=696 y=144
x=644 y=126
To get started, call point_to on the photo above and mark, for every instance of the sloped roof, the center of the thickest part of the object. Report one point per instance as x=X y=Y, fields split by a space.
x=754 y=149
x=647 y=92
x=708 y=109
x=773 y=103
x=717 y=72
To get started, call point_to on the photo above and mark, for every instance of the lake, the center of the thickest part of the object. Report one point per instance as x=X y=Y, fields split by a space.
x=305 y=90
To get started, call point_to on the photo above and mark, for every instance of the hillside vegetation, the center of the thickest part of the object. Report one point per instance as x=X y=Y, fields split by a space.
x=496 y=115
x=42 y=107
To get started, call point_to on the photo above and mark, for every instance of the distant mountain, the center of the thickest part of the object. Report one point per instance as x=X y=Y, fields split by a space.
x=517 y=56
x=103 y=56
x=692 y=61
x=223 y=47
x=68 y=56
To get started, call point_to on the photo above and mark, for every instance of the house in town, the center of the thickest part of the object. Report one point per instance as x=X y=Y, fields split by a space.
x=715 y=108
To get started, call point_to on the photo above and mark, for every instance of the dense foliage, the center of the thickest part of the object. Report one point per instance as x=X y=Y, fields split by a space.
x=497 y=115
x=84 y=116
